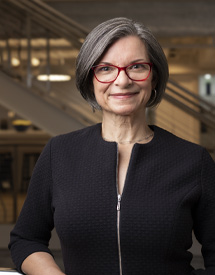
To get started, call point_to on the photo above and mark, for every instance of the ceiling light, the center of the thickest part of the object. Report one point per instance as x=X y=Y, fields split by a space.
x=15 y=62
x=207 y=76
x=54 y=73
x=35 y=62
x=53 y=77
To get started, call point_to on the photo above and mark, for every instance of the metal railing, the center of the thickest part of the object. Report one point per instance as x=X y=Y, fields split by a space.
x=45 y=16
x=191 y=103
x=47 y=20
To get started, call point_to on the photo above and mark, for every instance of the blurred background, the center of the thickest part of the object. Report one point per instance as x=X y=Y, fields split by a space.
x=39 y=42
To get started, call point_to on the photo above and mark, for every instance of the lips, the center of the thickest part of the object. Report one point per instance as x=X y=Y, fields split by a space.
x=124 y=95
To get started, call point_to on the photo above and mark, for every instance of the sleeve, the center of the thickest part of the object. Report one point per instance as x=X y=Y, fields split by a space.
x=32 y=231
x=204 y=219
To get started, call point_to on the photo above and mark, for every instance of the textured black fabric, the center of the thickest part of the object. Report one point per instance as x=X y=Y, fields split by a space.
x=169 y=191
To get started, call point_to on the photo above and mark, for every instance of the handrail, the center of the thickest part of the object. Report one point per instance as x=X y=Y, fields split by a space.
x=73 y=109
x=51 y=19
x=200 y=99
x=207 y=120
x=183 y=97
x=8 y=271
x=62 y=17
x=63 y=26
x=200 y=105
x=199 y=108
x=46 y=10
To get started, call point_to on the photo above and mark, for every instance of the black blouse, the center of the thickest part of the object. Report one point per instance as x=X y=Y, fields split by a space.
x=169 y=191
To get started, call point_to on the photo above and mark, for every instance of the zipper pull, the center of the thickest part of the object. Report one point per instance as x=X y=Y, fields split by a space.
x=118 y=204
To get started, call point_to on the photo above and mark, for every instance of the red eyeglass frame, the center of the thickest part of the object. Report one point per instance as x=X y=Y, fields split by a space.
x=122 y=69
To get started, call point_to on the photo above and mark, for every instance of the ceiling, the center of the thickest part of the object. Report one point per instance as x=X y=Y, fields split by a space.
x=163 y=17
x=185 y=29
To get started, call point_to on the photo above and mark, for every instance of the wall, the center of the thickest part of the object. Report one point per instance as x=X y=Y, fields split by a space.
x=176 y=120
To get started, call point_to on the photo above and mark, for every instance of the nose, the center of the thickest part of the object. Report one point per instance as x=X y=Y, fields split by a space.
x=122 y=79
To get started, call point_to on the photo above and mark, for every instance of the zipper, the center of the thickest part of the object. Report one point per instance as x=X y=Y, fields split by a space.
x=118 y=234
x=119 y=198
x=118 y=215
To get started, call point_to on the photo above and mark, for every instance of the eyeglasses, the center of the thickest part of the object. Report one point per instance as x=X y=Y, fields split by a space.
x=109 y=73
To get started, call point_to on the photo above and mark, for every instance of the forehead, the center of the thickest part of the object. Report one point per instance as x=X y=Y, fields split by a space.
x=125 y=50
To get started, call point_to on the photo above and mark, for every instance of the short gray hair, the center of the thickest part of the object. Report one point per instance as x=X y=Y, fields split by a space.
x=101 y=38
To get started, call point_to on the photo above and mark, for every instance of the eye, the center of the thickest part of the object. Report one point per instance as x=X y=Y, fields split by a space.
x=138 y=67
x=104 y=69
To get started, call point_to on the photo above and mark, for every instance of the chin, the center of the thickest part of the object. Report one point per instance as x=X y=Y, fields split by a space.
x=129 y=109
x=125 y=111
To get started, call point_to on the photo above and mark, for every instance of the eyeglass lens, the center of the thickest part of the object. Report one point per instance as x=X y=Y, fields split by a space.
x=108 y=73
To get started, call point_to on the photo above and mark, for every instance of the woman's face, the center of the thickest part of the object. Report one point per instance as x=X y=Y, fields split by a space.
x=124 y=96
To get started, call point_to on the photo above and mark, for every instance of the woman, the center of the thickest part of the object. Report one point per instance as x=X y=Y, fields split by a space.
x=124 y=196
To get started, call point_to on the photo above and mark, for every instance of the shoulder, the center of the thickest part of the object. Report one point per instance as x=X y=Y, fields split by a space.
x=71 y=145
x=168 y=137
x=177 y=145
x=76 y=137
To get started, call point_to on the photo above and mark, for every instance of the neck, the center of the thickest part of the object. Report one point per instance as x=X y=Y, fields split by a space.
x=125 y=129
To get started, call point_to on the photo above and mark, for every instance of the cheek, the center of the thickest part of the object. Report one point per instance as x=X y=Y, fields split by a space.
x=100 y=89
x=99 y=93
x=146 y=87
x=146 y=91
x=96 y=88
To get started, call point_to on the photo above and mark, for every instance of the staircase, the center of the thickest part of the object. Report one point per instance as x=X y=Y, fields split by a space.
x=55 y=108
x=61 y=108
x=188 y=115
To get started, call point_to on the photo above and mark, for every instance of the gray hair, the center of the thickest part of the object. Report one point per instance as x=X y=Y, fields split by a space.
x=101 y=38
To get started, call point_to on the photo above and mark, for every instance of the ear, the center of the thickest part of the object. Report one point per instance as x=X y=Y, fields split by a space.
x=154 y=79
x=154 y=84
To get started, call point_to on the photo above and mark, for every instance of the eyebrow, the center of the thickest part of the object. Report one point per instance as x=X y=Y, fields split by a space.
x=134 y=61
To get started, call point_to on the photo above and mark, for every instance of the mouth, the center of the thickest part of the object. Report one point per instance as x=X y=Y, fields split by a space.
x=123 y=95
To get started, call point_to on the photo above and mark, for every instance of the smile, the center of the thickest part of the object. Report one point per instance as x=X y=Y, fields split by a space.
x=124 y=95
